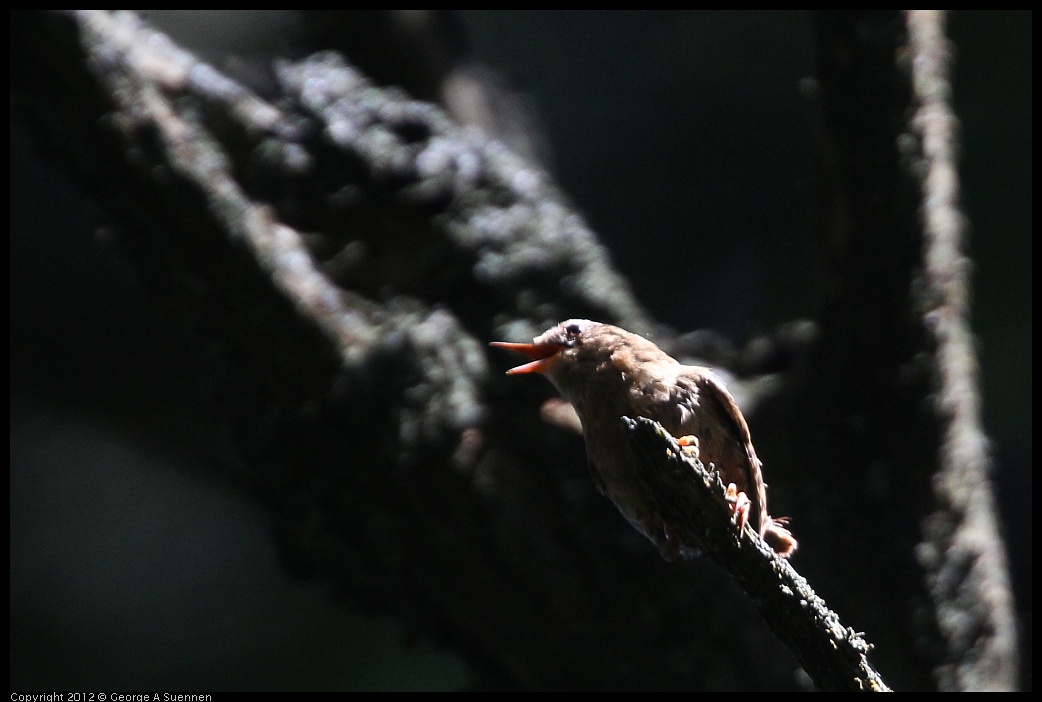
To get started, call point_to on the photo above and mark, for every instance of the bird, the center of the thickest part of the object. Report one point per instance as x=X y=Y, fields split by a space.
x=607 y=373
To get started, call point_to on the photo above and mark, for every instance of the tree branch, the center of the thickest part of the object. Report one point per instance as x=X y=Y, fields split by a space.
x=692 y=500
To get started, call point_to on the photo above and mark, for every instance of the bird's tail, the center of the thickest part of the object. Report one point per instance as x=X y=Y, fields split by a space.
x=778 y=536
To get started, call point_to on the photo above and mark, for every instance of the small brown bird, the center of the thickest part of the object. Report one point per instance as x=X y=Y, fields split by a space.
x=607 y=373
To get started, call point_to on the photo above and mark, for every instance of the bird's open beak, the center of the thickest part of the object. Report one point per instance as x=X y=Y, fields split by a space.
x=543 y=356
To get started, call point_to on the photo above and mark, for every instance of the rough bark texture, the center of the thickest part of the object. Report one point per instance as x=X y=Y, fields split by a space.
x=349 y=251
x=962 y=553
x=907 y=394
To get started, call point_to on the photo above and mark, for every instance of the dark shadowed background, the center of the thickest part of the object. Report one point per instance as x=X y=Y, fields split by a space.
x=687 y=140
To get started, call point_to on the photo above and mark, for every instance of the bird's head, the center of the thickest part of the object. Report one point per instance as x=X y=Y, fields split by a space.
x=581 y=357
x=569 y=355
x=552 y=350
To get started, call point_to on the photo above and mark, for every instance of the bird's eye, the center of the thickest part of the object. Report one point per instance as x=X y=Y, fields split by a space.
x=573 y=330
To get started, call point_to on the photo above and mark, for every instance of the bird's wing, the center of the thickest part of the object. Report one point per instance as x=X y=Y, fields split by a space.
x=714 y=400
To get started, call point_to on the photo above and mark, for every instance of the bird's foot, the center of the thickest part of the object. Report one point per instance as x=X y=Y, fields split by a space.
x=740 y=505
x=690 y=445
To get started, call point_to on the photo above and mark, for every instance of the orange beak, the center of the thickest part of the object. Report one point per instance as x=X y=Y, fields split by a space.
x=543 y=356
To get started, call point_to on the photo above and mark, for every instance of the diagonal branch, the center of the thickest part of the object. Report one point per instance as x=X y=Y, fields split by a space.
x=692 y=500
